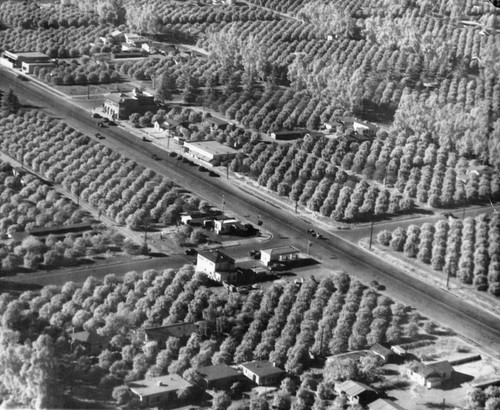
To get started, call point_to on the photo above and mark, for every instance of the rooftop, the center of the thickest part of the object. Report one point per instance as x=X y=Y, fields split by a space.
x=381 y=350
x=282 y=250
x=174 y=330
x=30 y=54
x=156 y=385
x=384 y=404
x=352 y=388
x=218 y=371
x=216 y=121
x=216 y=256
x=87 y=337
x=211 y=147
x=262 y=368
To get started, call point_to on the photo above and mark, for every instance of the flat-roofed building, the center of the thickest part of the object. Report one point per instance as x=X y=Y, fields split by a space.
x=15 y=59
x=262 y=372
x=119 y=106
x=29 y=68
x=217 y=266
x=281 y=254
x=159 y=390
x=210 y=151
x=219 y=376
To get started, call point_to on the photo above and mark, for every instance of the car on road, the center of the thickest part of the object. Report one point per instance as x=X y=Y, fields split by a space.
x=191 y=252
x=155 y=157
x=311 y=232
x=202 y=169
x=95 y=115
x=449 y=215
x=100 y=124
x=99 y=136
x=110 y=122
x=105 y=119
x=213 y=174
x=22 y=77
x=376 y=285
x=173 y=154
x=319 y=236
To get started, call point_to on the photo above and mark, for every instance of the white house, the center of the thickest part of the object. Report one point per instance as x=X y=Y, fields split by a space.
x=217 y=266
x=262 y=372
x=224 y=226
x=152 y=392
x=281 y=254
x=430 y=375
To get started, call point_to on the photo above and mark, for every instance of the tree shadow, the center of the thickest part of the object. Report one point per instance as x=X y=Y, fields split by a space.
x=457 y=380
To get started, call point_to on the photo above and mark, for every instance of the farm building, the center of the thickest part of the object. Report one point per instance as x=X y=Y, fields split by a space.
x=281 y=254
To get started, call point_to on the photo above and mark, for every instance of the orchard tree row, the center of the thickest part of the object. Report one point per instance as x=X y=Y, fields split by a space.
x=468 y=250
x=231 y=328
x=118 y=187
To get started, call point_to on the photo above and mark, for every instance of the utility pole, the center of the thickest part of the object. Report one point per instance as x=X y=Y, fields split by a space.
x=371 y=235
x=223 y=202
x=309 y=243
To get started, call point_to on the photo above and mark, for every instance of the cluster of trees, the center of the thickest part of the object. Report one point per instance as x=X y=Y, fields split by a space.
x=76 y=73
x=488 y=399
x=467 y=250
x=119 y=188
x=30 y=16
x=154 y=17
x=9 y=103
x=310 y=172
x=282 y=324
x=57 y=43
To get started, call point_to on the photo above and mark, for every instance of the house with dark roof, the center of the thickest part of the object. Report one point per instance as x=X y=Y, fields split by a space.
x=219 y=376
x=356 y=392
x=161 y=334
x=430 y=375
x=262 y=372
x=93 y=343
x=384 y=353
x=384 y=404
x=216 y=123
x=159 y=390
x=217 y=266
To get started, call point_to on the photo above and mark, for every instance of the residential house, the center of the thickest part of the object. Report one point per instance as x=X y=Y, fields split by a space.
x=136 y=40
x=161 y=334
x=384 y=353
x=399 y=350
x=195 y=218
x=281 y=254
x=384 y=404
x=430 y=375
x=356 y=392
x=93 y=343
x=216 y=123
x=219 y=376
x=217 y=266
x=159 y=390
x=262 y=373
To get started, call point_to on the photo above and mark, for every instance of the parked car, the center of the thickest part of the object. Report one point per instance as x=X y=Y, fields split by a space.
x=277 y=267
x=110 y=122
x=311 y=232
x=173 y=154
x=377 y=285
x=99 y=136
x=106 y=120
x=155 y=157
x=191 y=252
x=100 y=124
x=95 y=115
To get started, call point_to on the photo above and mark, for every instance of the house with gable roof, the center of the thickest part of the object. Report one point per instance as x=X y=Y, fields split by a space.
x=356 y=392
x=430 y=375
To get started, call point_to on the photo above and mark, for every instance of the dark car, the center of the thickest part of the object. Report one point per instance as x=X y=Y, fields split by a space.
x=110 y=122
x=191 y=252
x=106 y=120
x=202 y=169
x=100 y=124
x=311 y=232
x=99 y=136
x=277 y=267
x=173 y=154
x=95 y=115
x=377 y=285
x=155 y=157
x=213 y=174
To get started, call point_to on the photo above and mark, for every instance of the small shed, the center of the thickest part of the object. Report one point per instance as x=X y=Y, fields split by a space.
x=219 y=376
x=356 y=392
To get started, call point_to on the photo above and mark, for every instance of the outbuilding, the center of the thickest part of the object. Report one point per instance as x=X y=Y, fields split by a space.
x=219 y=376
x=262 y=373
x=356 y=392
x=217 y=266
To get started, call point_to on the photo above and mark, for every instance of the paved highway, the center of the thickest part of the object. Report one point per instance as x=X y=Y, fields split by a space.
x=443 y=307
